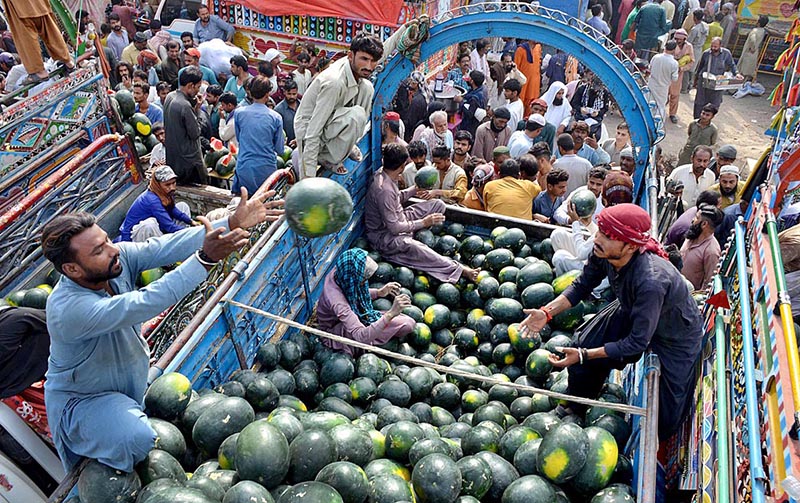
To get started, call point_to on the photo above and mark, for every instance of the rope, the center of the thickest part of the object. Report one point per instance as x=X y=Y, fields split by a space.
x=624 y=408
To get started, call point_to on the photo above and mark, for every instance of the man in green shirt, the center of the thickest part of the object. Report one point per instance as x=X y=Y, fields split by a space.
x=701 y=132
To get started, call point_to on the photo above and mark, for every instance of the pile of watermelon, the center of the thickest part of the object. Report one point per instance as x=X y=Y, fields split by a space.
x=35 y=297
x=315 y=425
x=136 y=125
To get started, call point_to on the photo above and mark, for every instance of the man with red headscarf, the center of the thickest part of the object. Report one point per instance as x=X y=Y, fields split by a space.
x=653 y=310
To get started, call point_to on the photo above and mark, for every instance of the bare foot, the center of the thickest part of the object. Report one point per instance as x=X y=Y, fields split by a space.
x=469 y=273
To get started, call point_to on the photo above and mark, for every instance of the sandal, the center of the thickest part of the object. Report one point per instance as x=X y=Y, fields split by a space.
x=336 y=169
x=31 y=79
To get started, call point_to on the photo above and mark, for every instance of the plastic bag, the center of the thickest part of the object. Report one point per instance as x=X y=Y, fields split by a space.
x=216 y=55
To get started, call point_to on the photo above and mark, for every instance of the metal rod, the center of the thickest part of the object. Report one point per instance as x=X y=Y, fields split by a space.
x=627 y=409
x=757 y=475
x=723 y=475
x=787 y=321
x=648 y=441
x=300 y=244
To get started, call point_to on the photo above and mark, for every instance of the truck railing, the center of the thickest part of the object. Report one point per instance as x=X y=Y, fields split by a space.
x=93 y=181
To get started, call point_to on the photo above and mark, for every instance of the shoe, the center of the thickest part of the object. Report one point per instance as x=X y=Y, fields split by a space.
x=673 y=119
x=31 y=79
x=355 y=154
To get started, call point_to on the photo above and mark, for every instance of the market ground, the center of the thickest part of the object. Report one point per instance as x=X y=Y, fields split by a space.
x=741 y=123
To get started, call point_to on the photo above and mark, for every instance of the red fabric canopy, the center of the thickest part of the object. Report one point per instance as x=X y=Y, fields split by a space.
x=383 y=12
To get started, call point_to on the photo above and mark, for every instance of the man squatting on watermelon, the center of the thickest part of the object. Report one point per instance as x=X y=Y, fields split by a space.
x=654 y=309
x=345 y=306
x=390 y=227
x=97 y=371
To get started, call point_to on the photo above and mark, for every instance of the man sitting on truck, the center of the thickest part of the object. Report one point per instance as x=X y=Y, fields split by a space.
x=97 y=371
x=345 y=306
x=155 y=212
x=390 y=227
x=655 y=311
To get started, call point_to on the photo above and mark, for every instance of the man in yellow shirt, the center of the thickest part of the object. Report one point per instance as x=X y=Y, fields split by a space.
x=452 y=178
x=509 y=195
x=729 y=186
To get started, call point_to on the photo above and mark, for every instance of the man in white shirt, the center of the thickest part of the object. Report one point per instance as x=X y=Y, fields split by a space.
x=477 y=58
x=511 y=90
x=227 y=128
x=577 y=167
x=663 y=72
x=563 y=215
x=695 y=177
x=302 y=75
x=521 y=141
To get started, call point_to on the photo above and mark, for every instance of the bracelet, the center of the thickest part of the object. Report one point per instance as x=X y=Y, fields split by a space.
x=580 y=355
x=205 y=259
x=584 y=354
x=548 y=315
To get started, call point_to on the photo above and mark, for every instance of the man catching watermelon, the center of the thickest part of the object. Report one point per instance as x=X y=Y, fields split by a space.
x=97 y=371
x=653 y=310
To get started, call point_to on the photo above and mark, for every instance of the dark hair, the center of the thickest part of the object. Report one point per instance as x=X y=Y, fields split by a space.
x=393 y=125
x=510 y=167
x=464 y=135
x=481 y=44
x=394 y=156
x=289 y=84
x=265 y=68
x=322 y=63
x=126 y=65
x=163 y=85
x=144 y=86
x=477 y=77
x=763 y=21
x=113 y=17
x=202 y=6
x=105 y=29
x=671 y=45
x=80 y=14
x=628 y=44
x=708 y=197
x=540 y=149
x=596 y=9
x=367 y=43
x=158 y=126
x=155 y=23
x=718 y=17
x=240 y=61
x=675 y=257
x=417 y=149
x=698 y=14
x=140 y=74
x=598 y=172
x=214 y=89
x=528 y=165
x=440 y=152
x=556 y=176
x=228 y=98
x=703 y=148
x=190 y=75
x=173 y=44
x=512 y=85
x=708 y=107
x=303 y=56
x=260 y=87
x=509 y=54
x=187 y=34
x=565 y=141
x=58 y=233
x=711 y=214
x=623 y=125
x=463 y=55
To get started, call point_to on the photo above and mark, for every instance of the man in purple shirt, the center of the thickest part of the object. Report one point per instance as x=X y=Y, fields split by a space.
x=677 y=232
x=155 y=213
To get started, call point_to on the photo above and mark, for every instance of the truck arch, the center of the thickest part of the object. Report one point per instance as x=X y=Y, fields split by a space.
x=546 y=26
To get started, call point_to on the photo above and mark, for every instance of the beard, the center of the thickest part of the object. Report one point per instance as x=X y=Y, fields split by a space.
x=558 y=101
x=99 y=277
x=727 y=192
x=694 y=231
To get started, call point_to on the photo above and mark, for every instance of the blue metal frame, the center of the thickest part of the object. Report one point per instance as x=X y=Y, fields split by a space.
x=554 y=29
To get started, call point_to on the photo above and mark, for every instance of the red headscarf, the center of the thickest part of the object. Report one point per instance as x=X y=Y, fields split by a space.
x=630 y=224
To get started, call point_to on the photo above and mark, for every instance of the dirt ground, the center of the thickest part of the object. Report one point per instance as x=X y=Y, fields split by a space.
x=741 y=123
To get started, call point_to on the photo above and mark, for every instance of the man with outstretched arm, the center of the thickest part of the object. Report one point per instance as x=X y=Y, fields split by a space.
x=97 y=371
x=653 y=310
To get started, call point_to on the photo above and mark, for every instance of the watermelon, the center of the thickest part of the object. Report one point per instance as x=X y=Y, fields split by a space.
x=141 y=149
x=562 y=282
x=399 y=439
x=537 y=295
x=211 y=488
x=601 y=461
x=529 y=489
x=168 y=437
x=615 y=493
x=225 y=165
x=311 y=491
x=536 y=272
x=436 y=478
x=437 y=316
x=513 y=239
x=471 y=246
x=513 y=439
x=141 y=124
x=427 y=178
x=563 y=453
x=35 y=298
x=213 y=156
x=224 y=418
x=15 y=298
x=99 y=483
x=506 y=311
x=526 y=456
x=247 y=491
x=150 y=275
x=168 y=396
x=388 y=488
x=127 y=105
x=584 y=201
x=317 y=207
x=448 y=294
x=499 y=258
x=503 y=474
x=150 y=142
x=309 y=453
x=160 y=465
x=348 y=479
x=476 y=476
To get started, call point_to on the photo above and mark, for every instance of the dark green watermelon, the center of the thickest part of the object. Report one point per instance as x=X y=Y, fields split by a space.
x=317 y=206
x=427 y=178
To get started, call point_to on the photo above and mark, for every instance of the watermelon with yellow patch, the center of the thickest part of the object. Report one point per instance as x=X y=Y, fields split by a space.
x=563 y=452
x=317 y=207
x=168 y=396
x=601 y=461
x=150 y=275
x=226 y=165
x=141 y=124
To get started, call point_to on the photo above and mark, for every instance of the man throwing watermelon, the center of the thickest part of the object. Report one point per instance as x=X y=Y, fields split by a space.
x=653 y=309
x=97 y=371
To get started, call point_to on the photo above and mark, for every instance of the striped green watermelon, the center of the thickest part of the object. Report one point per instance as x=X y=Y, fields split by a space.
x=317 y=207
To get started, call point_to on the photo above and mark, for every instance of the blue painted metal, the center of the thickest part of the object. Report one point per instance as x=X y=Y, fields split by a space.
x=547 y=27
x=757 y=474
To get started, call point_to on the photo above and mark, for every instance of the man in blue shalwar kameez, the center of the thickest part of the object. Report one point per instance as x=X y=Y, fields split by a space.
x=97 y=371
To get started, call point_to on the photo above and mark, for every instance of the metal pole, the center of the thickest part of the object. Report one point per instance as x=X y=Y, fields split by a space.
x=648 y=441
x=300 y=244
x=757 y=475
x=652 y=192
x=723 y=475
x=787 y=322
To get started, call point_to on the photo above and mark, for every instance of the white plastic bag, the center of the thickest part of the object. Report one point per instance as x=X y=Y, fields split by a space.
x=216 y=55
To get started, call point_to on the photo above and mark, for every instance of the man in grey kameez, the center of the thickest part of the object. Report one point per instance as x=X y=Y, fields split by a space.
x=390 y=227
x=751 y=52
x=335 y=109
x=182 y=140
x=97 y=371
